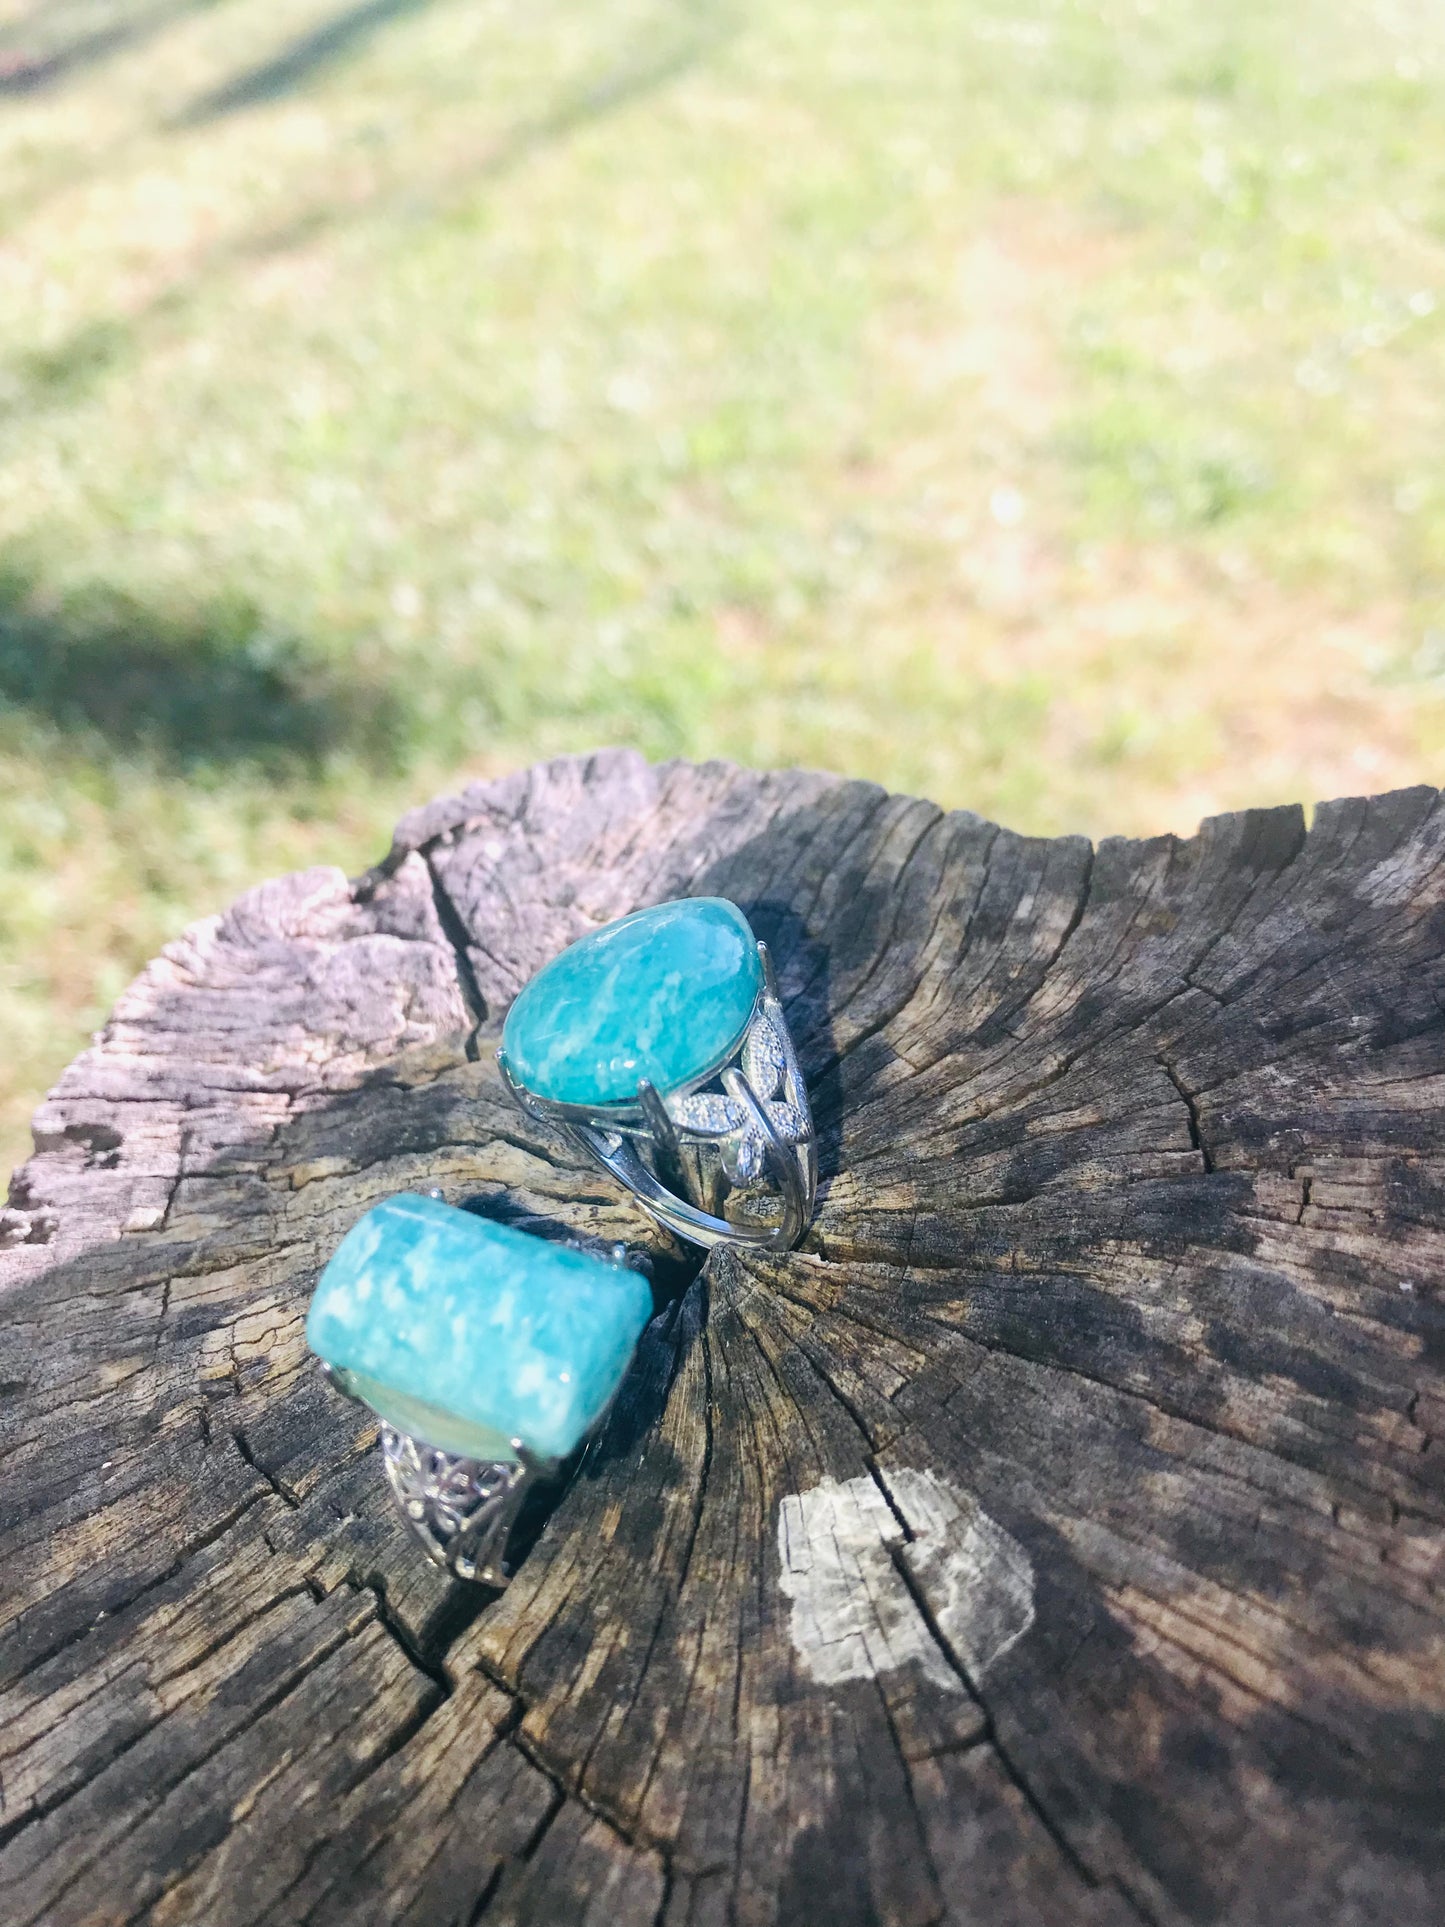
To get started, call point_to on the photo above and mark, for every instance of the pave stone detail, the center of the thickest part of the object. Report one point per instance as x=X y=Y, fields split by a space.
x=764 y=1059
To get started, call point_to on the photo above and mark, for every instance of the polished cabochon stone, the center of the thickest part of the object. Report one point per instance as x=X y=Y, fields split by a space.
x=467 y=1334
x=665 y=993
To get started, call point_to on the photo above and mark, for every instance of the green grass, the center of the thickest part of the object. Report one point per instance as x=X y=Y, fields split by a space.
x=1035 y=405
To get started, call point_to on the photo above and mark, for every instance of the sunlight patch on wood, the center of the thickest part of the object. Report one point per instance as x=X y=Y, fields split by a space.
x=855 y=1580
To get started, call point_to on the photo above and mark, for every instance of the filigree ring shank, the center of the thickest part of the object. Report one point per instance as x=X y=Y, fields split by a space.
x=461 y=1511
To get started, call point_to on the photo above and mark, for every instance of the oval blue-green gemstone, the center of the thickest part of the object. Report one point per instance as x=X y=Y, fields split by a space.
x=469 y=1334
x=665 y=994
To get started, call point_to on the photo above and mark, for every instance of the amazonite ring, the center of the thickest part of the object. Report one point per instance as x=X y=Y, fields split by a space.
x=657 y=1043
x=489 y=1356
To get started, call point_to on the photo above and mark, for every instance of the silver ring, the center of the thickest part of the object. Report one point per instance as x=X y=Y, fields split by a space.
x=729 y=1157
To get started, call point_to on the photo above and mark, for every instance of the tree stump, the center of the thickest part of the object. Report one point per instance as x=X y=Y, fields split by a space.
x=1055 y=1537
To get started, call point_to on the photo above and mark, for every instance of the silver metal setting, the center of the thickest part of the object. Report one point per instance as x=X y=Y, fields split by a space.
x=461 y=1511
x=730 y=1158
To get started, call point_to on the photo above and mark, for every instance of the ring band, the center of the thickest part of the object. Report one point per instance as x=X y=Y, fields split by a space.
x=723 y=1153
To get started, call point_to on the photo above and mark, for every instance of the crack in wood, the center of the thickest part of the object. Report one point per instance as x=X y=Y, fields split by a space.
x=924 y=1606
x=1196 y=1133
x=123 y=1604
x=79 y=1861
x=1016 y=1778
x=457 y=935
x=284 y=1492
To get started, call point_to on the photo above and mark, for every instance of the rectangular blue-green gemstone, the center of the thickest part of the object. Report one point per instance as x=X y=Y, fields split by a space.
x=445 y=1321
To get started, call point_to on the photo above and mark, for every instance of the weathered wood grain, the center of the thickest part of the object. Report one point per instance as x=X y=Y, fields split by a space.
x=1057 y=1536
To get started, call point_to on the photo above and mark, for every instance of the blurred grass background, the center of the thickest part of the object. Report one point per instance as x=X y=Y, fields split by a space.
x=1034 y=404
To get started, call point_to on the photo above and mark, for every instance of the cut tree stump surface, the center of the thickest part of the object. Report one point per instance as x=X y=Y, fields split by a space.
x=1056 y=1537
